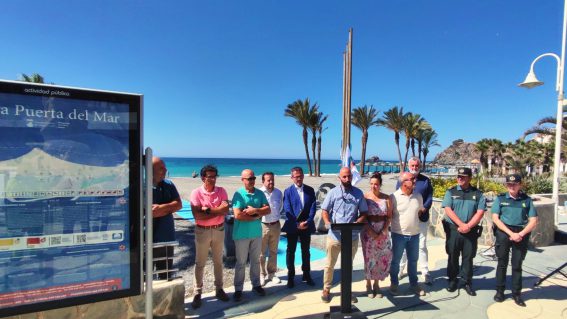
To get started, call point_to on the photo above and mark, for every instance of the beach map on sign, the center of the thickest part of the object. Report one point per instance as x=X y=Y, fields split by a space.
x=38 y=175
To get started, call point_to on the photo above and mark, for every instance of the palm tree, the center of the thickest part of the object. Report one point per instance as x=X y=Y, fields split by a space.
x=300 y=111
x=419 y=140
x=320 y=129
x=364 y=117
x=429 y=139
x=34 y=78
x=483 y=146
x=543 y=130
x=412 y=124
x=424 y=125
x=314 y=115
x=393 y=119
x=520 y=156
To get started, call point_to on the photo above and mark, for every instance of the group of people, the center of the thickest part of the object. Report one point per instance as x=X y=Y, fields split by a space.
x=256 y=230
x=394 y=232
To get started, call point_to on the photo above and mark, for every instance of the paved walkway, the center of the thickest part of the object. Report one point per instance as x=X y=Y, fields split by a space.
x=549 y=300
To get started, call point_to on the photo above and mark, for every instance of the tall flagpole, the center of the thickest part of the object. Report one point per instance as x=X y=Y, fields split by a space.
x=347 y=93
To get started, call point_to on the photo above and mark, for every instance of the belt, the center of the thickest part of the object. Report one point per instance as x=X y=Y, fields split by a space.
x=211 y=227
x=270 y=224
x=515 y=229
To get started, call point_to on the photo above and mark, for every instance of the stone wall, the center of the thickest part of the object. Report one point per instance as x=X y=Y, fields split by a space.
x=168 y=303
x=541 y=236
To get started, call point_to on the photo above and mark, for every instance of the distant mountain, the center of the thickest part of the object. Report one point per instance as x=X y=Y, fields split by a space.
x=459 y=153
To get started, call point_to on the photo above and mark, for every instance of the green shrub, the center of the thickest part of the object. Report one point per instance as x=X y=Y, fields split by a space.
x=441 y=185
x=539 y=184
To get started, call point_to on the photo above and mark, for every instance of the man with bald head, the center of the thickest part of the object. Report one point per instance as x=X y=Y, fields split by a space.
x=166 y=201
x=407 y=206
x=249 y=205
x=343 y=204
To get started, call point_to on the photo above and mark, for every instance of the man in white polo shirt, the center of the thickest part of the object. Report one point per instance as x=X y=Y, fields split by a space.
x=271 y=230
x=405 y=232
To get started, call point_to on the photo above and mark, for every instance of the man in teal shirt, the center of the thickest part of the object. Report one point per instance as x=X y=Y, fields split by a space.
x=249 y=205
x=514 y=217
x=464 y=207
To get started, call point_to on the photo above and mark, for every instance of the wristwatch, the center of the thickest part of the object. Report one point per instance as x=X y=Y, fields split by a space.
x=208 y=210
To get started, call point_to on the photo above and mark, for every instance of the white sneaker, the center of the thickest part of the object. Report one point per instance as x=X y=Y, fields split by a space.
x=274 y=279
x=264 y=280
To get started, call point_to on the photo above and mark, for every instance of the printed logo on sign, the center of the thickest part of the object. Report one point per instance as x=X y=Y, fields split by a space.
x=81 y=239
x=55 y=240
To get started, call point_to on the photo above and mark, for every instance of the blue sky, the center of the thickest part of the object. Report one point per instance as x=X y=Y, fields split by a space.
x=217 y=75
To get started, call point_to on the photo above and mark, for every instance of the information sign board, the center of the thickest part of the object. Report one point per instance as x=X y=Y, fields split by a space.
x=70 y=185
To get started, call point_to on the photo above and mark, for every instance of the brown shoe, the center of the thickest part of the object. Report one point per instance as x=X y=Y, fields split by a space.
x=196 y=301
x=326 y=296
x=221 y=295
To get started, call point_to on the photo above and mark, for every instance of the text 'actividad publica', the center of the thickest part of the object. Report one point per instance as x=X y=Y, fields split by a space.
x=74 y=114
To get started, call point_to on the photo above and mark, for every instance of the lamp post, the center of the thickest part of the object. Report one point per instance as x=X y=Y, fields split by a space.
x=532 y=81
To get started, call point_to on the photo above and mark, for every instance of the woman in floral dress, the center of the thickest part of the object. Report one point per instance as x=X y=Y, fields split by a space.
x=376 y=244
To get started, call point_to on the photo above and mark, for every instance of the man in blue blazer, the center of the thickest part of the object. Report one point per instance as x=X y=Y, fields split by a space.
x=300 y=205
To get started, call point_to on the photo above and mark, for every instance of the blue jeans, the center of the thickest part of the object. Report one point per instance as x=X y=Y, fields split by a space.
x=411 y=245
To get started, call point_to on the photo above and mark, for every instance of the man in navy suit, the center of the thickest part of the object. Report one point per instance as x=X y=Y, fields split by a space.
x=299 y=205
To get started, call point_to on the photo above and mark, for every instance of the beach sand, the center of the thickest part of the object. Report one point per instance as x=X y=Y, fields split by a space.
x=185 y=235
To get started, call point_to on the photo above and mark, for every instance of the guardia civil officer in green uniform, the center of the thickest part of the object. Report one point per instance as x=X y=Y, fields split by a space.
x=514 y=217
x=464 y=207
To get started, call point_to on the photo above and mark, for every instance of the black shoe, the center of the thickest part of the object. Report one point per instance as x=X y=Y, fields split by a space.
x=308 y=280
x=259 y=290
x=196 y=301
x=237 y=296
x=499 y=297
x=452 y=287
x=221 y=295
x=518 y=300
x=290 y=283
x=470 y=290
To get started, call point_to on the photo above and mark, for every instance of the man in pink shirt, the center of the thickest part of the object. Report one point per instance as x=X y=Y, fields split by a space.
x=209 y=204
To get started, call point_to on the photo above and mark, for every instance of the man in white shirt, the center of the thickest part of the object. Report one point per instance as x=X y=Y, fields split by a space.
x=405 y=232
x=271 y=230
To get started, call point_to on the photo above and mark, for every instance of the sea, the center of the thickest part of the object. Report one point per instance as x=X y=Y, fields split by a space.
x=187 y=167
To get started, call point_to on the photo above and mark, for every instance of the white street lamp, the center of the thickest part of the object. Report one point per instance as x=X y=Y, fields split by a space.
x=532 y=81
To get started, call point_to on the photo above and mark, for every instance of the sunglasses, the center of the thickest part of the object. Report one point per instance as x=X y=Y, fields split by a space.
x=253 y=178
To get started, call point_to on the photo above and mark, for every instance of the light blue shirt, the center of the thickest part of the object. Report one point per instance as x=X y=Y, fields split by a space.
x=343 y=207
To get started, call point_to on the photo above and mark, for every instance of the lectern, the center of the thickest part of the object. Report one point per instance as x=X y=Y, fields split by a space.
x=346 y=263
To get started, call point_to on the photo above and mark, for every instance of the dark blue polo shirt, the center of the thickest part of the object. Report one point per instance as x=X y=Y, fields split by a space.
x=164 y=227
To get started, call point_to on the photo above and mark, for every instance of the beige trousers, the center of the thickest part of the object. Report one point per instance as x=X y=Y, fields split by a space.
x=270 y=240
x=206 y=239
x=333 y=251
